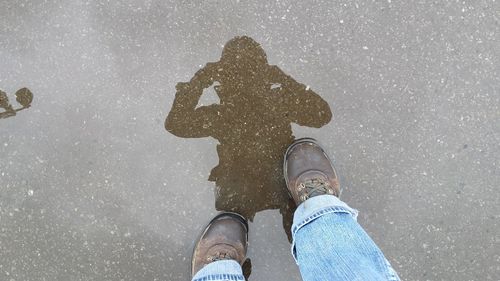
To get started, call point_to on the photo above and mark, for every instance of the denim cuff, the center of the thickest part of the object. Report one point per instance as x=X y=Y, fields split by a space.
x=314 y=208
x=213 y=271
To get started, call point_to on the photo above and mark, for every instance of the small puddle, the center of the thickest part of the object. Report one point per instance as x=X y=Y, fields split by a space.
x=24 y=97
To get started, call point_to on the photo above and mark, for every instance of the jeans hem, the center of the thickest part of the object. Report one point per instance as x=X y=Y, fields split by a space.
x=221 y=277
x=212 y=271
x=315 y=215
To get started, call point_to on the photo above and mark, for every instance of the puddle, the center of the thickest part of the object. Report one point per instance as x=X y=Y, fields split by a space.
x=258 y=102
x=24 y=97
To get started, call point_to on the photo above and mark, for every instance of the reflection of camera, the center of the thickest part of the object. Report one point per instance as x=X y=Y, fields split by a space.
x=206 y=76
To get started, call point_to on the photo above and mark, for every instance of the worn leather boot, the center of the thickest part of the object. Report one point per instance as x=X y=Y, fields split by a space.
x=308 y=171
x=225 y=238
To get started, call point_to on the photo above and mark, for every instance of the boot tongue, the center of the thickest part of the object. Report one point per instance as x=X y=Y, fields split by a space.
x=220 y=256
x=316 y=183
x=317 y=186
x=316 y=193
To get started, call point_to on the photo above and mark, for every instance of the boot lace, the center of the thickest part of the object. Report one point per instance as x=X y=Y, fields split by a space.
x=313 y=187
x=219 y=256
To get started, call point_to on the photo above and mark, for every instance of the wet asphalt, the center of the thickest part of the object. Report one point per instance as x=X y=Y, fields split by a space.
x=94 y=186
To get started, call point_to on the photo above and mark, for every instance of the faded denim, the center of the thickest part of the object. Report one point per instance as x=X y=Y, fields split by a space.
x=328 y=244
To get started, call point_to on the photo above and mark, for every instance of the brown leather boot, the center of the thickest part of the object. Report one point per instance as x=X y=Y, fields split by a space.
x=225 y=238
x=308 y=171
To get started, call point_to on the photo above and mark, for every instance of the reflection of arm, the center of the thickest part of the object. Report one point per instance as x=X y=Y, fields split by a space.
x=303 y=106
x=184 y=119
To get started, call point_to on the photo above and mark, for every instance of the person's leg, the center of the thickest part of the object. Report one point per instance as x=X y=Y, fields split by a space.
x=328 y=243
x=221 y=249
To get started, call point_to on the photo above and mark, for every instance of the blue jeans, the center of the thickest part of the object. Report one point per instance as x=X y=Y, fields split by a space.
x=328 y=244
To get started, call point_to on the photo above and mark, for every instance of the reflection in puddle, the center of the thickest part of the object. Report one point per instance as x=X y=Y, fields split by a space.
x=252 y=122
x=23 y=96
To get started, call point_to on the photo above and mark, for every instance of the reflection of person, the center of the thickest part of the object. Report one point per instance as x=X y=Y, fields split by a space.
x=252 y=122
x=328 y=243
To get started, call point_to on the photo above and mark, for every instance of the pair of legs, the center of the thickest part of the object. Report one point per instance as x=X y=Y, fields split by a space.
x=328 y=243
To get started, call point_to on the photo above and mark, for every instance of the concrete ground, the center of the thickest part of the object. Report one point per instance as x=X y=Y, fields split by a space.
x=92 y=187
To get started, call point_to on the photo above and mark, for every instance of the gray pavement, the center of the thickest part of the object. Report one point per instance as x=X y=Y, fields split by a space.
x=92 y=186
